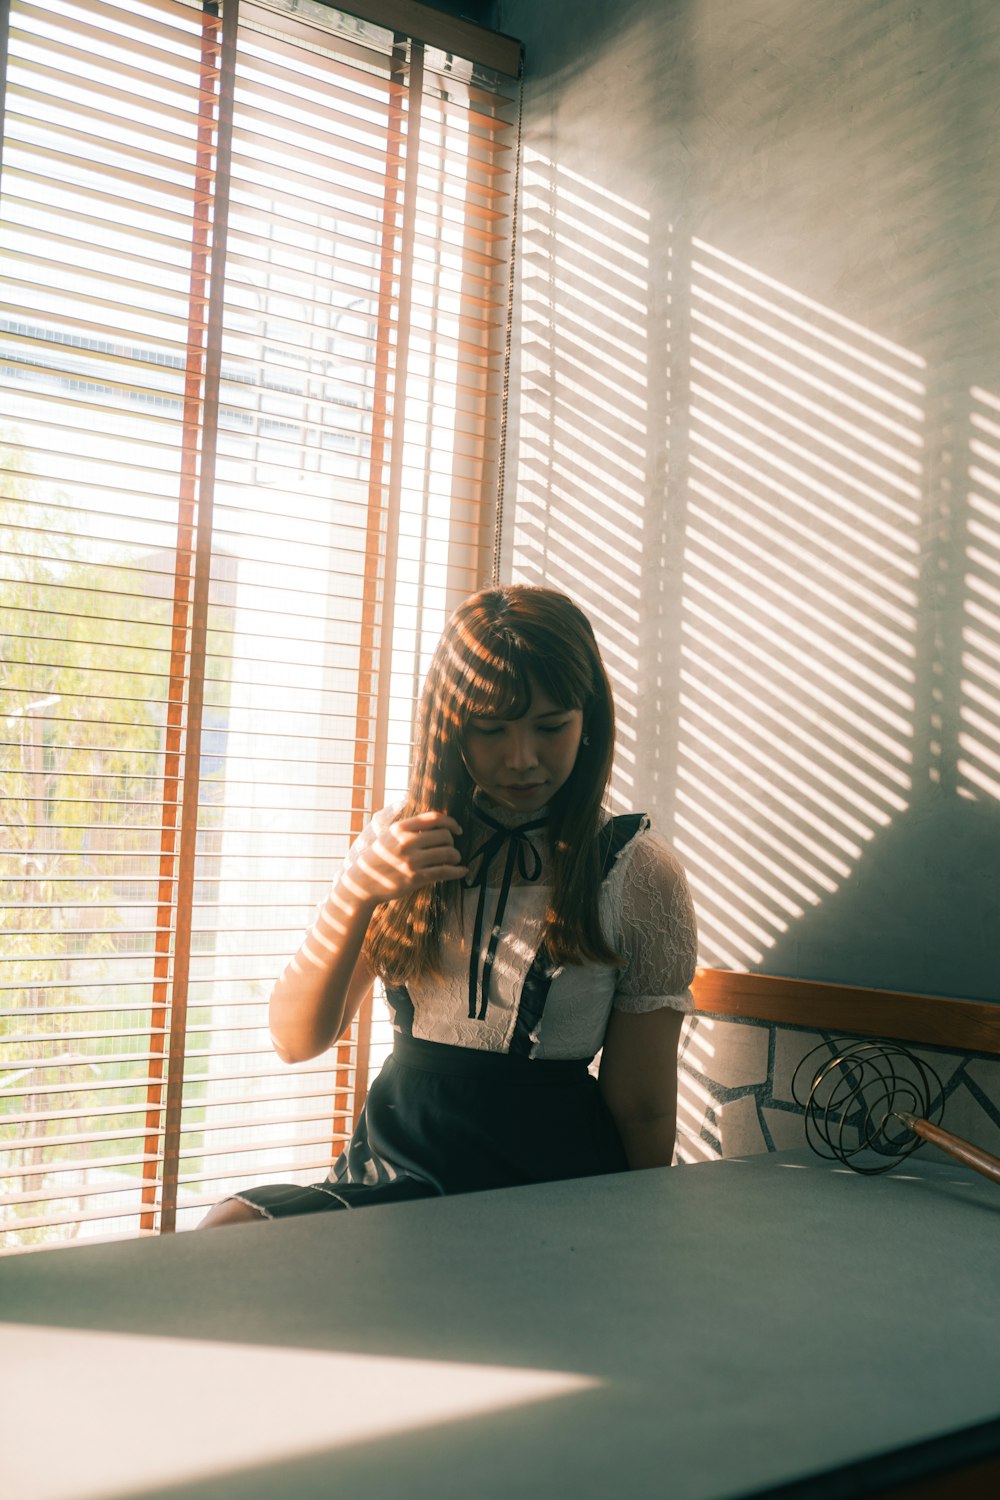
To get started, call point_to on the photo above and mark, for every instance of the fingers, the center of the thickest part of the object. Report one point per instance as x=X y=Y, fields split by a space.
x=421 y=857
x=426 y=839
x=389 y=882
x=426 y=822
x=408 y=855
x=440 y=872
x=423 y=848
x=433 y=862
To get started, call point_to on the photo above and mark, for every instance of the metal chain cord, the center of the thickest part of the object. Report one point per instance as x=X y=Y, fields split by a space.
x=502 y=463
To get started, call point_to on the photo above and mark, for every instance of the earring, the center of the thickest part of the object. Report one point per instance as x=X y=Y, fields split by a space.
x=585 y=740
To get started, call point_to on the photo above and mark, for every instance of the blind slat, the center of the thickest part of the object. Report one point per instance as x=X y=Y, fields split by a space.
x=315 y=1144
x=102 y=1059
x=137 y=21
x=85 y=1138
x=193 y=1081
x=104 y=37
x=139 y=1111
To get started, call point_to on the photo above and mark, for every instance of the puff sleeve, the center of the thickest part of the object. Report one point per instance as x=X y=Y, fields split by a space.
x=657 y=930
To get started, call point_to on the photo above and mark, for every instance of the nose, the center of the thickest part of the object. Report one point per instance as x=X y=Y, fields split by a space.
x=521 y=752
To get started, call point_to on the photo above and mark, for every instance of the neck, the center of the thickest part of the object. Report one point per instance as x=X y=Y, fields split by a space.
x=509 y=817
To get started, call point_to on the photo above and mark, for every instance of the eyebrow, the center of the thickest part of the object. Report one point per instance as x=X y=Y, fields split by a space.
x=549 y=713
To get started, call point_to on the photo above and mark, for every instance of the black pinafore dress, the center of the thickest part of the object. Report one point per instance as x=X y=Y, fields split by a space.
x=441 y=1119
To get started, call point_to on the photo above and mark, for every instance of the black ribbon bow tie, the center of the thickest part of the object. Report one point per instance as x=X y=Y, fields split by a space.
x=522 y=855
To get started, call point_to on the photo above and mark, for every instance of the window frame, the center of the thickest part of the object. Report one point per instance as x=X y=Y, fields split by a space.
x=417 y=28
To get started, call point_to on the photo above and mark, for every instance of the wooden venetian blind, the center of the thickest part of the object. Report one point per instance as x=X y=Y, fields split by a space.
x=252 y=347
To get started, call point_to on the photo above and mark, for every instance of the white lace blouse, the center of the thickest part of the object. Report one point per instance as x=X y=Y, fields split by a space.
x=646 y=912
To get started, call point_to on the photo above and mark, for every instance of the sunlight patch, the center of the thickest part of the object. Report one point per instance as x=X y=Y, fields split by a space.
x=232 y=1406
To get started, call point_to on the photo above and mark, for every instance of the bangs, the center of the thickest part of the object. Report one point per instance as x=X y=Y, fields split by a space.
x=564 y=677
x=494 y=680
x=503 y=693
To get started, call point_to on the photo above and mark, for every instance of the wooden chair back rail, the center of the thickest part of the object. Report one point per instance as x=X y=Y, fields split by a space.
x=959 y=1025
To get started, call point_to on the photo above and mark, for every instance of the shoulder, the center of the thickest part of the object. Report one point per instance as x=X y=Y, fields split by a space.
x=647 y=884
x=634 y=849
x=653 y=855
x=616 y=835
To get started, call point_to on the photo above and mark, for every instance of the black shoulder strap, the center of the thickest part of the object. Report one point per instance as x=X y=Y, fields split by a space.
x=616 y=833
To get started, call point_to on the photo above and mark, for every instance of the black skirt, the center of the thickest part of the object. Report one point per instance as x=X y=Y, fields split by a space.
x=441 y=1119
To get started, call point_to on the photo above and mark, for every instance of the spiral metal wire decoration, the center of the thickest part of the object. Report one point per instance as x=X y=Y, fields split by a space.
x=864 y=1098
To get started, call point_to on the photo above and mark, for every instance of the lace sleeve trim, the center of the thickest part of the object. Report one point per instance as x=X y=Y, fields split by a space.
x=638 y=1005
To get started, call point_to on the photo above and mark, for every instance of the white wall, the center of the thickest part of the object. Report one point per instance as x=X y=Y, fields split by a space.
x=756 y=433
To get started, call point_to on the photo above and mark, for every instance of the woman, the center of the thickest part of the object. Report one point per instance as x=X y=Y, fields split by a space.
x=518 y=930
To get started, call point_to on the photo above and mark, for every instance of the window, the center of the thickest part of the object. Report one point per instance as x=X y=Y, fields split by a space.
x=252 y=352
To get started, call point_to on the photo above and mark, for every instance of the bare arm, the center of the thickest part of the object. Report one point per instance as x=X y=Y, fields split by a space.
x=639 y=1082
x=319 y=993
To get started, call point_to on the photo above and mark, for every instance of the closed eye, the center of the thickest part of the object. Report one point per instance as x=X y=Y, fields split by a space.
x=488 y=731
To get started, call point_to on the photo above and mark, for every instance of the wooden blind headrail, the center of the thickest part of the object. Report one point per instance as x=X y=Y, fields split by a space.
x=435 y=28
x=961 y=1025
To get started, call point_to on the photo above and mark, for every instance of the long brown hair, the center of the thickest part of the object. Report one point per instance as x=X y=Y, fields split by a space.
x=496 y=646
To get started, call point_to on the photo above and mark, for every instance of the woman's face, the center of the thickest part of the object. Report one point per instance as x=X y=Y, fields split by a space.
x=522 y=763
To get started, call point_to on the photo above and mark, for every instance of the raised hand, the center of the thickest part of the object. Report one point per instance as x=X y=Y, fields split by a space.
x=320 y=989
x=408 y=855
